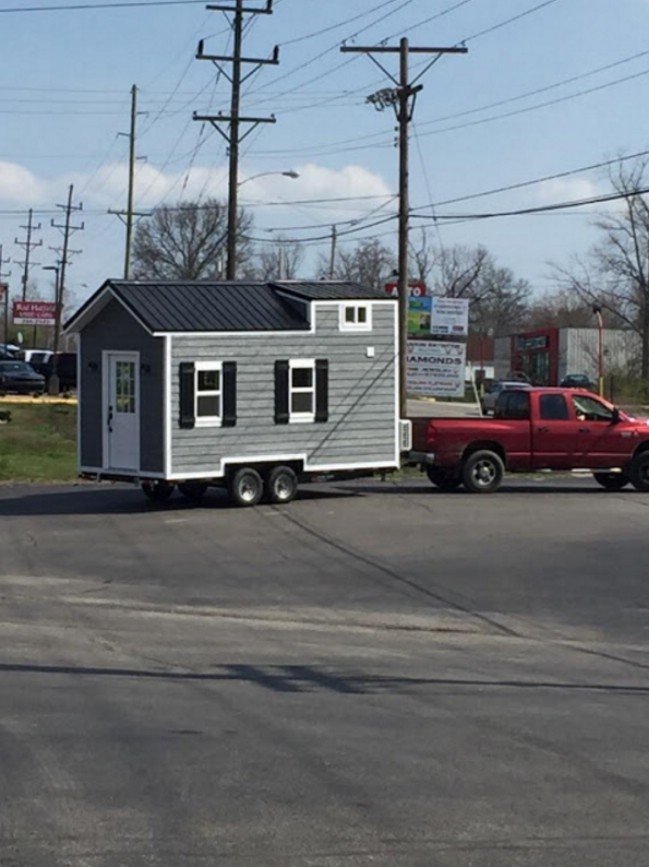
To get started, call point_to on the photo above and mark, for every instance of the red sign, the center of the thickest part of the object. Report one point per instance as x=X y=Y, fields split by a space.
x=34 y=313
x=416 y=289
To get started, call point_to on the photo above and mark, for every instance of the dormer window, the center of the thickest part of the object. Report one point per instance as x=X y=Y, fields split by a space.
x=355 y=317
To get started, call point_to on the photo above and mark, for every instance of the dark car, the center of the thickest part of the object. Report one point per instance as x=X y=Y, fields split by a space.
x=578 y=380
x=65 y=364
x=18 y=377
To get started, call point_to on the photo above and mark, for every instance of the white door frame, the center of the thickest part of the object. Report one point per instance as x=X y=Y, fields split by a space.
x=106 y=356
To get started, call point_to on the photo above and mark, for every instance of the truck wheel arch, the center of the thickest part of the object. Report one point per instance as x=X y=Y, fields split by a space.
x=486 y=445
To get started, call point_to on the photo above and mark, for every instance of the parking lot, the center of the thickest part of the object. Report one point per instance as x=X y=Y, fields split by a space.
x=377 y=673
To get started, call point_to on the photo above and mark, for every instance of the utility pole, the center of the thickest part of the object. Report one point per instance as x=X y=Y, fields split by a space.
x=67 y=228
x=402 y=98
x=128 y=216
x=234 y=120
x=332 y=257
x=29 y=245
x=5 y=291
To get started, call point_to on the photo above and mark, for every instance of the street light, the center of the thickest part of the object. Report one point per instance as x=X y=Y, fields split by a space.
x=287 y=174
x=53 y=384
x=597 y=310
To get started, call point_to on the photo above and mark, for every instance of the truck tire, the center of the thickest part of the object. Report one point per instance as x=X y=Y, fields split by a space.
x=445 y=480
x=612 y=481
x=193 y=491
x=157 y=492
x=246 y=487
x=281 y=485
x=482 y=472
x=640 y=472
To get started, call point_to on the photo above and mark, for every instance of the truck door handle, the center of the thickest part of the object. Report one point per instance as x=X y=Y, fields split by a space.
x=542 y=429
x=584 y=430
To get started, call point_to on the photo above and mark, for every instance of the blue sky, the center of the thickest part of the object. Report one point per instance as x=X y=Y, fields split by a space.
x=64 y=98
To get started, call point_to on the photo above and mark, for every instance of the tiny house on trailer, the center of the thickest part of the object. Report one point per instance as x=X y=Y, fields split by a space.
x=254 y=386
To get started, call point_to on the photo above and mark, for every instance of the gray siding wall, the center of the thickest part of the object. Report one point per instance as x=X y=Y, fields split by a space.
x=115 y=329
x=361 y=425
x=579 y=351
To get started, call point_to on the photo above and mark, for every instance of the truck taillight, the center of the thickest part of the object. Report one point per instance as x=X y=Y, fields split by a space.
x=432 y=436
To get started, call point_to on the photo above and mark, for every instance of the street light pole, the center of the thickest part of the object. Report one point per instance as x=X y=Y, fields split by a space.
x=597 y=310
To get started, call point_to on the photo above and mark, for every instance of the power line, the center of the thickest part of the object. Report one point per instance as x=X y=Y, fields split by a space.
x=111 y=4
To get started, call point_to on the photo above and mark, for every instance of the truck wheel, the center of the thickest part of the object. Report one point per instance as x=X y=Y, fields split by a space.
x=612 y=481
x=157 y=492
x=640 y=472
x=193 y=491
x=281 y=485
x=446 y=480
x=483 y=472
x=246 y=487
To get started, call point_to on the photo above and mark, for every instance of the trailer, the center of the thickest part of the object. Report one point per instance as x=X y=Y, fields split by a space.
x=251 y=386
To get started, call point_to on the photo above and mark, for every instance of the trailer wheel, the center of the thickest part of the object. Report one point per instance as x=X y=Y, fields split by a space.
x=612 y=481
x=281 y=485
x=193 y=491
x=446 y=480
x=640 y=472
x=483 y=472
x=157 y=492
x=246 y=487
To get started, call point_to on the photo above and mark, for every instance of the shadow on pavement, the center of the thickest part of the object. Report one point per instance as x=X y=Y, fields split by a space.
x=128 y=500
x=307 y=678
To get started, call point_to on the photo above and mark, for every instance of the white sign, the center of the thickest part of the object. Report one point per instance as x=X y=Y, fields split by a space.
x=449 y=317
x=436 y=369
x=34 y=313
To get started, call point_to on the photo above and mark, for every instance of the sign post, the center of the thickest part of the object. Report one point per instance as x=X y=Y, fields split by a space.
x=4 y=296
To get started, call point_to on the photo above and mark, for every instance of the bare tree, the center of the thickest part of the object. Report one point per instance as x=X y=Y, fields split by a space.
x=281 y=261
x=369 y=263
x=615 y=274
x=187 y=242
x=559 y=309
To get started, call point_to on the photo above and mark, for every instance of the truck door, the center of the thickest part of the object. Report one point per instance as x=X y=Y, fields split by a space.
x=598 y=442
x=553 y=433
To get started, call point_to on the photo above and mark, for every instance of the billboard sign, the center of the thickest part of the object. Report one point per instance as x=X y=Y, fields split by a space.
x=34 y=313
x=436 y=369
x=449 y=317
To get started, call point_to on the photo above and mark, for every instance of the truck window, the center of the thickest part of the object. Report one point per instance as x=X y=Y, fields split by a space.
x=518 y=405
x=588 y=409
x=554 y=407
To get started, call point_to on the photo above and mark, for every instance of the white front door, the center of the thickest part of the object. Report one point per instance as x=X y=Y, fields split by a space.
x=122 y=411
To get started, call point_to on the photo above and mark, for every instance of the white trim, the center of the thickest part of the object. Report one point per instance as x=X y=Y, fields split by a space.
x=166 y=405
x=105 y=380
x=395 y=343
x=79 y=403
x=219 y=473
x=127 y=473
x=355 y=326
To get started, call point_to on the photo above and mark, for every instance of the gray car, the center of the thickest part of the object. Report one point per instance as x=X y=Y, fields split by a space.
x=488 y=401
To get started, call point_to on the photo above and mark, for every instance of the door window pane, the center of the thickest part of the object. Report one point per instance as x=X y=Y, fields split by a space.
x=125 y=386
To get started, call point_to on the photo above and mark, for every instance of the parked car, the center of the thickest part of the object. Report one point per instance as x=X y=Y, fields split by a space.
x=488 y=402
x=66 y=368
x=535 y=429
x=578 y=380
x=19 y=377
x=38 y=359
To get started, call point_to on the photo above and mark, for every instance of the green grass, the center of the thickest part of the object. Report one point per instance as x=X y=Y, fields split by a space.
x=39 y=443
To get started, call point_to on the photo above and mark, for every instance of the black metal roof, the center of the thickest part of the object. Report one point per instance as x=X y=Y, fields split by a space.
x=227 y=306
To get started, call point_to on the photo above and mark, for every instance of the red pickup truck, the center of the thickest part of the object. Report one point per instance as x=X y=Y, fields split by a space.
x=535 y=429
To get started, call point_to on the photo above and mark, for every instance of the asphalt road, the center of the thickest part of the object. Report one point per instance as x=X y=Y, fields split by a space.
x=375 y=674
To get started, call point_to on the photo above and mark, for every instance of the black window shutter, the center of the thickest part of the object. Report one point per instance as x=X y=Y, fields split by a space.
x=281 y=392
x=321 y=389
x=186 y=390
x=229 y=375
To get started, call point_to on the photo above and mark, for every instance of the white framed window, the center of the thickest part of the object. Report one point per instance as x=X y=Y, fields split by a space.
x=208 y=393
x=355 y=317
x=301 y=390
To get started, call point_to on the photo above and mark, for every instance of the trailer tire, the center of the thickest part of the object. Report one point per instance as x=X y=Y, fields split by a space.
x=612 y=481
x=246 y=487
x=445 y=480
x=193 y=491
x=640 y=472
x=157 y=492
x=482 y=472
x=281 y=485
